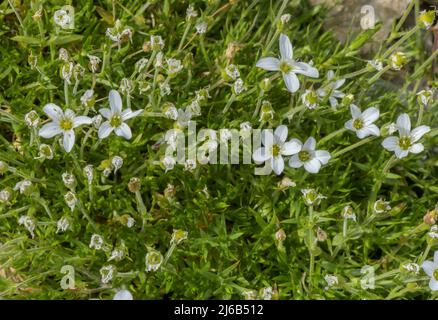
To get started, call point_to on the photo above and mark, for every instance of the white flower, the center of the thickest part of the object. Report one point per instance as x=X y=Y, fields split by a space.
x=331 y=280
x=170 y=111
x=70 y=200
x=267 y=293
x=87 y=96
x=331 y=89
x=348 y=213
x=310 y=99
x=94 y=63
x=89 y=173
x=116 y=118
x=381 y=206
x=69 y=180
x=116 y=254
x=107 y=273
x=164 y=89
x=63 y=18
x=62 y=123
x=190 y=164
x=28 y=223
x=5 y=195
x=286 y=183
x=157 y=43
x=431 y=269
x=362 y=122
x=173 y=66
x=288 y=67
x=407 y=141
x=412 y=267
x=433 y=232
x=62 y=224
x=117 y=163
x=123 y=295
x=250 y=294
x=232 y=71
x=130 y=222
x=96 y=242
x=275 y=147
x=168 y=162
x=425 y=97
x=308 y=157
x=32 y=119
x=178 y=236
x=201 y=27
x=117 y=33
x=376 y=64
x=238 y=86
x=153 y=260
x=23 y=186
x=312 y=197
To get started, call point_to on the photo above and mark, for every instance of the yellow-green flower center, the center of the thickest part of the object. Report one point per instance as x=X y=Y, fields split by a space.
x=304 y=156
x=312 y=98
x=276 y=150
x=285 y=66
x=435 y=274
x=404 y=142
x=116 y=121
x=66 y=124
x=358 y=124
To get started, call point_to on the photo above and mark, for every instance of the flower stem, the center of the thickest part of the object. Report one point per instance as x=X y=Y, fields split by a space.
x=353 y=146
x=331 y=135
x=229 y=103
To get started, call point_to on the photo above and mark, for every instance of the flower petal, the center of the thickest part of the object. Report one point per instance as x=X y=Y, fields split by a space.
x=278 y=165
x=416 y=148
x=349 y=125
x=128 y=114
x=312 y=166
x=123 y=295
x=370 y=130
x=53 y=111
x=104 y=130
x=115 y=101
x=333 y=102
x=260 y=155
x=267 y=137
x=355 y=111
x=435 y=257
x=370 y=115
x=123 y=131
x=310 y=144
x=418 y=132
x=399 y=153
x=428 y=267
x=295 y=162
x=390 y=143
x=433 y=284
x=404 y=124
x=290 y=148
x=338 y=83
x=78 y=121
x=106 y=113
x=270 y=64
x=50 y=130
x=69 y=140
x=323 y=156
x=291 y=81
x=280 y=134
x=286 y=49
x=305 y=69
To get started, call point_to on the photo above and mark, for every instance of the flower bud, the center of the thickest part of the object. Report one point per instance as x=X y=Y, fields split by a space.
x=69 y=180
x=157 y=43
x=347 y=100
x=178 y=236
x=311 y=197
x=265 y=84
x=426 y=18
x=70 y=200
x=397 y=60
x=431 y=217
x=424 y=97
x=310 y=99
x=117 y=163
x=5 y=195
x=153 y=260
x=32 y=119
x=381 y=206
x=4 y=167
x=280 y=235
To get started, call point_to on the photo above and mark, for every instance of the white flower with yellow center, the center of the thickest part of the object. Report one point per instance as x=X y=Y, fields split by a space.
x=62 y=122
x=362 y=122
x=406 y=142
x=431 y=269
x=331 y=89
x=275 y=147
x=116 y=118
x=307 y=156
x=287 y=65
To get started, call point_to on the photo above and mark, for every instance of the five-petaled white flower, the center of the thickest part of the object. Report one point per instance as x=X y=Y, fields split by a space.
x=308 y=157
x=275 y=147
x=431 y=269
x=331 y=89
x=362 y=122
x=116 y=118
x=407 y=141
x=287 y=65
x=62 y=122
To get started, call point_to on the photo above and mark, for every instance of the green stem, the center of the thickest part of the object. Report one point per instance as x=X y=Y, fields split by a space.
x=353 y=146
x=331 y=135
